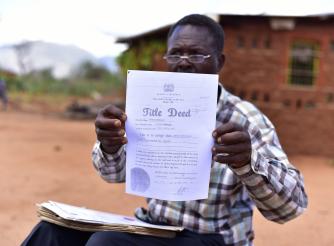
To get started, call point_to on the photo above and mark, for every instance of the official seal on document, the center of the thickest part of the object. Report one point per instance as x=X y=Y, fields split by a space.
x=140 y=180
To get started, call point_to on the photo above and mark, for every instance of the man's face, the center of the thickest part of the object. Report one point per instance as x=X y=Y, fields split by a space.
x=194 y=40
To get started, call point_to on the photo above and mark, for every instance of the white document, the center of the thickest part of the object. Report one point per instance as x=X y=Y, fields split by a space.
x=171 y=117
x=81 y=214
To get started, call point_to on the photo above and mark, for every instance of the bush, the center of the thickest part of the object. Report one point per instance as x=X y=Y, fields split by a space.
x=43 y=82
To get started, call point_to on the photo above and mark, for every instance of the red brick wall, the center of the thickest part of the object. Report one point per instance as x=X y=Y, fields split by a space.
x=303 y=116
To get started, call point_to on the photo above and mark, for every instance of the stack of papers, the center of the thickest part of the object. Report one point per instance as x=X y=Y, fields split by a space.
x=91 y=220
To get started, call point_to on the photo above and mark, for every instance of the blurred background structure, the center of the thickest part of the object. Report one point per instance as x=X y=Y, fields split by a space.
x=280 y=61
x=283 y=64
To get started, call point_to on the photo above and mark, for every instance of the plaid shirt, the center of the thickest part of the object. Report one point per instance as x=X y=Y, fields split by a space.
x=269 y=181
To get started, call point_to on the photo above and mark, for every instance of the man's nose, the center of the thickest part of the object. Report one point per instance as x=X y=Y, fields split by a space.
x=184 y=66
x=184 y=61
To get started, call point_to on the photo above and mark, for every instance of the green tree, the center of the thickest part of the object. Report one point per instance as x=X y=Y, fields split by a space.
x=141 y=55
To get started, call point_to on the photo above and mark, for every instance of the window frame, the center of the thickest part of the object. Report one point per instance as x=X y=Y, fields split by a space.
x=315 y=47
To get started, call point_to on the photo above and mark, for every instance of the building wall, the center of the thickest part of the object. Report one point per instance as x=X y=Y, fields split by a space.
x=303 y=115
x=258 y=72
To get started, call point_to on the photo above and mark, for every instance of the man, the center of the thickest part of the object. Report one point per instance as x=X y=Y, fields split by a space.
x=249 y=163
x=3 y=94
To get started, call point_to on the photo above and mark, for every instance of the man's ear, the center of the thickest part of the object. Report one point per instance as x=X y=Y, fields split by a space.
x=221 y=61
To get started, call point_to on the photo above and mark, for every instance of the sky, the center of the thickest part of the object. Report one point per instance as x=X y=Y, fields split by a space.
x=94 y=25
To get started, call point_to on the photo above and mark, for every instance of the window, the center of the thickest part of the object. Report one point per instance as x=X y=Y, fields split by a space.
x=332 y=45
x=303 y=63
x=330 y=97
x=266 y=97
x=240 y=42
x=298 y=103
x=287 y=103
x=254 y=43
x=254 y=96
x=267 y=43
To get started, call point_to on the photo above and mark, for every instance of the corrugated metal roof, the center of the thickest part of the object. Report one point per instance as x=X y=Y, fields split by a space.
x=130 y=39
x=163 y=29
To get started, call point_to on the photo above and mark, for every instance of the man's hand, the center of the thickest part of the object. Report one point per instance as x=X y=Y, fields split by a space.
x=232 y=145
x=110 y=128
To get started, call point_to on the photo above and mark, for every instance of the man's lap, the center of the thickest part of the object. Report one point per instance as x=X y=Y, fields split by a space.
x=49 y=234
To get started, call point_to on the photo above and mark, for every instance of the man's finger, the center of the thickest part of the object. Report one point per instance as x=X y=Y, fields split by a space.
x=113 y=112
x=237 y=160
x=105 y=123
x=226 y=128
x=233 y=138
x=113 y=141
x=112 y=145
x=101 y=133
x=231 y=149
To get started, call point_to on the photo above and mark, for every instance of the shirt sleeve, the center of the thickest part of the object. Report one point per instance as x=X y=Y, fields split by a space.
x=111 y=167
x=273 y=183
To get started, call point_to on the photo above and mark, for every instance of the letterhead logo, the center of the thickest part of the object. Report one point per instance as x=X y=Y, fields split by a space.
x=168 y=87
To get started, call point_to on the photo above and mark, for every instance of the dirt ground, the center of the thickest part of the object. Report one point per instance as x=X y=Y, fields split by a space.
x=48 y=158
